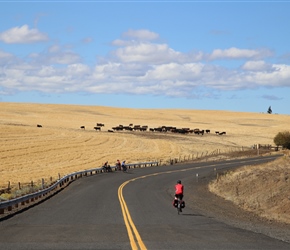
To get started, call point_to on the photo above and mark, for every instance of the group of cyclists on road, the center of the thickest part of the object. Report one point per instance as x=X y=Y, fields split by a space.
x=120 y=166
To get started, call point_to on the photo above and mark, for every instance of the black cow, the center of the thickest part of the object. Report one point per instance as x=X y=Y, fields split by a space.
x=117 y=128
x=144 y=128
x=39 y=126
x=127 y=128
x=137 y=127
x=100 y=124
x=83 y=127
x=158 y=129
x=97 y=128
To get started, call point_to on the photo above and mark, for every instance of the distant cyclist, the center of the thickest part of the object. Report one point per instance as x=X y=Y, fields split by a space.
x=124 y=167
x=179 y=190
x=118 y=165
x=179 y=195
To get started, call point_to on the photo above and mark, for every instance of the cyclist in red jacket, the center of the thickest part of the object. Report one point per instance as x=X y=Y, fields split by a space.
x=179 y=190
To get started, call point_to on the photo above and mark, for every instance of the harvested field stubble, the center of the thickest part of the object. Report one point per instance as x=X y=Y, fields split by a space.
x=60 y=146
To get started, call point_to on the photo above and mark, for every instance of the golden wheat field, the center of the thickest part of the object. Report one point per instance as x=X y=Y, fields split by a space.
x=60 y=146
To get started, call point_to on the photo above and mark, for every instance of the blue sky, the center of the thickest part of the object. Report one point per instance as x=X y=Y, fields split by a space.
x=204 y=55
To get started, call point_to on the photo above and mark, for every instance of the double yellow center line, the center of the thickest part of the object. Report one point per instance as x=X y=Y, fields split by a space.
x=135 y=239
x=134 y=236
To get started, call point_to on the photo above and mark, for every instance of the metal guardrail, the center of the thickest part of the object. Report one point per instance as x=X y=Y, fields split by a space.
x=26 y=200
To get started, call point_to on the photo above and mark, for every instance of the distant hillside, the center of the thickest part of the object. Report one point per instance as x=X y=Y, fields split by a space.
x=60 y=146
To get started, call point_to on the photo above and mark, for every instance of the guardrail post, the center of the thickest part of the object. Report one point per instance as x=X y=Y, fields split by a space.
x=57 y=185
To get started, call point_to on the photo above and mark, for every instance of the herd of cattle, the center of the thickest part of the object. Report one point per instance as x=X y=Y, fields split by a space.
x=158 y=129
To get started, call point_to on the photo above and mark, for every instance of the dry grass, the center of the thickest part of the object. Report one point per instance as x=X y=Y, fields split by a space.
x=263 y=189
x=29 y=153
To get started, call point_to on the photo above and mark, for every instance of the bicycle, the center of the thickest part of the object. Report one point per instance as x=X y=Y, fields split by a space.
x=125 y=169
x=180 y=204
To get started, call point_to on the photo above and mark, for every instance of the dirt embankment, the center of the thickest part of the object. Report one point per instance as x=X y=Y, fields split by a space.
x=263 y=190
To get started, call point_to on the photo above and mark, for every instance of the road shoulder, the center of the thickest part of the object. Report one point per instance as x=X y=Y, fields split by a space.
x=211 y=205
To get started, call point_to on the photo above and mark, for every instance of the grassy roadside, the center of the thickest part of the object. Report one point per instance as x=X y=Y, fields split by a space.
x=261 y=189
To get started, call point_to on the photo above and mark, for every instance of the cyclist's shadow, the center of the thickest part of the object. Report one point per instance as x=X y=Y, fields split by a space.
x=188 y=214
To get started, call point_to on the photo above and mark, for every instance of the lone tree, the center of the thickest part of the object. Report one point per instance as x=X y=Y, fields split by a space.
x=283 y=139
x=269 y=110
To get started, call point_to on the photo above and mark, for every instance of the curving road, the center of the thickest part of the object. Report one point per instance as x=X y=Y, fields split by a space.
x=129 y=211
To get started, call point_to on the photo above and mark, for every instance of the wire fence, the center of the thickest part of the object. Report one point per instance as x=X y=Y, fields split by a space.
x=14 y=190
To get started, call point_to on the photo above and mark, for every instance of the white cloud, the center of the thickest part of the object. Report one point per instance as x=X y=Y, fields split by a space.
x=5 y=55
x=147 y=53
x=63 y=58
x=236 y=53
x=141 y=67
x=6 y=58
x=54 y=48
x=188 y=71
x=22 y=35
x=257 y=66
x=78 y=69
x=121 y=43
x=55 y=55
x=144 y=35
x=278 y=77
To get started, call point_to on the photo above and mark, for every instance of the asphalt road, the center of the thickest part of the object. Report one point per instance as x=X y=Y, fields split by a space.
x=129 y=211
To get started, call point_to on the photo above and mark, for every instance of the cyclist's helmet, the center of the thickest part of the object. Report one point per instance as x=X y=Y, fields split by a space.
x=179 y=181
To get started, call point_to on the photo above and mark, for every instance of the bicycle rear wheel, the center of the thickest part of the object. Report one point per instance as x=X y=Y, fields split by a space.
x=178 y=207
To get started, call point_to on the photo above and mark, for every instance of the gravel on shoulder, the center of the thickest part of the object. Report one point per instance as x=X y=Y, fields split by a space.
x=211 y=205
